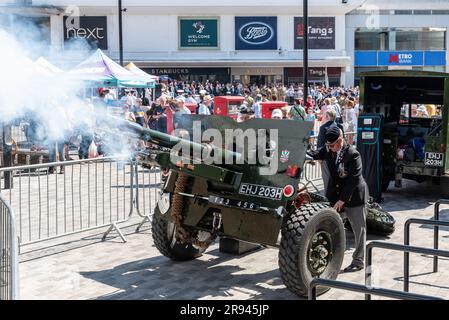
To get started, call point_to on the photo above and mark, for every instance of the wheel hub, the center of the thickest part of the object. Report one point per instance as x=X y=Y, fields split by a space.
x=320 y=252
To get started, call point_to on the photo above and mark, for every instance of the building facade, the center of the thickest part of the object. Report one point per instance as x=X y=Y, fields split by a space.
x=251 y=41
x=248 y=41
x=383 y=35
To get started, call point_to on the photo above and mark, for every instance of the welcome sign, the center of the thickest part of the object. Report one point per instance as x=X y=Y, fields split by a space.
x=256 y=33
x=90 y=28
x=201 y=32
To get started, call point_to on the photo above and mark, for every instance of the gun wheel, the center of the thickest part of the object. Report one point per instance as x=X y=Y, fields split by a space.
x=164 y=237
x=312 y=245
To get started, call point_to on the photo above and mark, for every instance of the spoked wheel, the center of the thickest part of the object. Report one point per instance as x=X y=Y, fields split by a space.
x=164 y=237
x=319 y=253
x=312 y=245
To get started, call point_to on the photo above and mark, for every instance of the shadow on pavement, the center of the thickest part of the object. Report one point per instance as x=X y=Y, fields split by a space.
x=161 y=278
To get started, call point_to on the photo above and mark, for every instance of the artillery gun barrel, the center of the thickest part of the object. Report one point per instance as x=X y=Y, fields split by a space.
x=169 y=141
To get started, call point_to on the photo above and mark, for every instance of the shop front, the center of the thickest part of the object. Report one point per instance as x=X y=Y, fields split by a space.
x=187 y=74
x=317 y=75
x=259 y=76
x=373 y=60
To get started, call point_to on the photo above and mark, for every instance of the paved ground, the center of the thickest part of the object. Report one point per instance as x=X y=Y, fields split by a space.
x=90 y=269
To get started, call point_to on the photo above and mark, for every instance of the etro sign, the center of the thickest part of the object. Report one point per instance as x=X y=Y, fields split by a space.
x=89 y=28
x=400 y=58
x=256 y=33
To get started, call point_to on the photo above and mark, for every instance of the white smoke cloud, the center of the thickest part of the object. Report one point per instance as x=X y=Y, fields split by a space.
x=29 y=91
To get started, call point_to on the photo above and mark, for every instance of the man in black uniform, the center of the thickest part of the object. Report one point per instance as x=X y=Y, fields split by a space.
x=346 y=189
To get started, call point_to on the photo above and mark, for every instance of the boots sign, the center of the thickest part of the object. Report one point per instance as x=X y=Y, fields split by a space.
x=256 y=33
x=321 y=33
x=90 y=28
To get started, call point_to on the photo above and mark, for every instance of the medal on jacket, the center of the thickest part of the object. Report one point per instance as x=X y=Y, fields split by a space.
x=342 y=173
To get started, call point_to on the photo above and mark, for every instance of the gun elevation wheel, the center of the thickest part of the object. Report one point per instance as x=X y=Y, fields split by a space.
x=312 y=245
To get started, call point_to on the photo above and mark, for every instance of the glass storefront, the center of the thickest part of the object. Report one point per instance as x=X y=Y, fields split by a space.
x=371 y=39
x=399 y=48
x=424 y=39
x=400 y=39
x=317 y=75
x=258 y=76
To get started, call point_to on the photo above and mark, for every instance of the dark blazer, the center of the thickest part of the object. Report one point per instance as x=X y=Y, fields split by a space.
x=351 y=188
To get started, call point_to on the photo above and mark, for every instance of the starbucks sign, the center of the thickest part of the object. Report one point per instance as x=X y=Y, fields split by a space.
x=198 y=33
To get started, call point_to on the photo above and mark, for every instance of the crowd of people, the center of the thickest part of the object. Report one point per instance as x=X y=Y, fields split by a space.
x=322 y=105
x=176 y=95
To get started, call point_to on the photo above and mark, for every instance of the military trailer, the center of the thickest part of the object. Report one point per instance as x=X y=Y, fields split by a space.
x=403 y=128
x=258 y=202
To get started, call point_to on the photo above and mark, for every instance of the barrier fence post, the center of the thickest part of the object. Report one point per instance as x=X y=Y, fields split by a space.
x=55 y=214
x=435 y=223
x=9 y=263
x=436 y=216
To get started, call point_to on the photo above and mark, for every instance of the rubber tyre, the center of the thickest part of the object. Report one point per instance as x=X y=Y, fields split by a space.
x=297 y=232
x=163 y=233
x=379 y=222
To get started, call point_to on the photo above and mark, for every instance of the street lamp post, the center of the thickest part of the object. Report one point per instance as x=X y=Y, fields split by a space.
x=120 y=35
x=306 y=47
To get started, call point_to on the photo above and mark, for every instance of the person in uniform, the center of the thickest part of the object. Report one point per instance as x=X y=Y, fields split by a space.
x=346 y=190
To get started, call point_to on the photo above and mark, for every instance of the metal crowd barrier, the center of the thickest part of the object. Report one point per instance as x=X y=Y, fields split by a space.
x=18 y=134
x=398 y=247
x=436 y=216
x=365 y=289
x=148 y=184
x=435 y=223
x=9 y=264
x=92 y=193
x=310 y=174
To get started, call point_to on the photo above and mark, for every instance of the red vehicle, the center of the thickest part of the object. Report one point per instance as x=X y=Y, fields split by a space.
x=269 y=106
x=227 y=105
x=192 y=107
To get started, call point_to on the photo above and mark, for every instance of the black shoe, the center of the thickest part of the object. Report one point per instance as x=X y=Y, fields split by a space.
x=51 y=170
x=353 y=268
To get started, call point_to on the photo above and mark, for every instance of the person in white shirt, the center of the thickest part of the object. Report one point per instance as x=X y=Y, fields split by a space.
x=257 y=106
x=190 y=99
x=204 y=107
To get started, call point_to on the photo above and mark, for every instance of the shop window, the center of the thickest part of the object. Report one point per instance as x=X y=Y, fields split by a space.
x=371 y=40
x=421 y=40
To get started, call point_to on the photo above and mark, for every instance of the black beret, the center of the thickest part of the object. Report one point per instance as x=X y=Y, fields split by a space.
x=332 y=134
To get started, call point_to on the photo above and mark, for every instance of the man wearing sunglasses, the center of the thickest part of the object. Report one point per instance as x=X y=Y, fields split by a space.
x=347 y=190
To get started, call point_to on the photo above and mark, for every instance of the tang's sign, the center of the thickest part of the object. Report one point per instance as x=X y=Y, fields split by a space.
x=321 y=33
x=90 y=28
x=199 y=32
x=256 y=33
